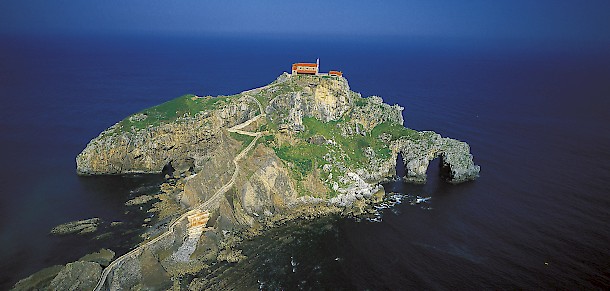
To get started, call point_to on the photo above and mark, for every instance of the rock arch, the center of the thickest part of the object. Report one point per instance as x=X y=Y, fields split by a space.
x=457 y=165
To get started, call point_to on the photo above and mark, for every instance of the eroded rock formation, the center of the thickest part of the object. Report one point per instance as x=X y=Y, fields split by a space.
x=457 y=165
x=187 y=143
x=300 y=147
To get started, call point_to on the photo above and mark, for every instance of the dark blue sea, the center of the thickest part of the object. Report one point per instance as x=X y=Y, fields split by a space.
x=536 y=117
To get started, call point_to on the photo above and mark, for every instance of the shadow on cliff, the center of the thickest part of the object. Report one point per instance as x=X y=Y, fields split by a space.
x=436 y=180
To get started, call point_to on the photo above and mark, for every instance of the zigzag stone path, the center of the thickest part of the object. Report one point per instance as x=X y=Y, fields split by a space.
x=188 y=247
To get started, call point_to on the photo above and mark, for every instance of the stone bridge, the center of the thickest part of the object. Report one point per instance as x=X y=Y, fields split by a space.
x=457 y=165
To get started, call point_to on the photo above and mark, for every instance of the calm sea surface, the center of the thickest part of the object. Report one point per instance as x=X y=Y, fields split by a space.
x=536 y=120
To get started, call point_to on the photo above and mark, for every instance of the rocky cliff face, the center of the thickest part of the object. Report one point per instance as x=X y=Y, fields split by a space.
x=213 y=172
x=187 y=142
x=322 y=98
x=370 y=112
x=316 y=148
x=266 y=187
x=457 y=165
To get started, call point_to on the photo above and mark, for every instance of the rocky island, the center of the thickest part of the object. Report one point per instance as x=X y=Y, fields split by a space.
x=299 y=148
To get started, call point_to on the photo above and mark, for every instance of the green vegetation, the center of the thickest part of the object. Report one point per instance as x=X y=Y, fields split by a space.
x=320 y=144
x=396 y=131
x=353 y=146
x=262 y=98
x=348 y=151
x=267 y=139
x=303 y=157
x=171 y=110
x=244 y=139
x=360 y=102
x=303 y=191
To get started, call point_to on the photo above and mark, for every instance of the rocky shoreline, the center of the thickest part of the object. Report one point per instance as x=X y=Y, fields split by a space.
x=297 y=149
x=79 y=275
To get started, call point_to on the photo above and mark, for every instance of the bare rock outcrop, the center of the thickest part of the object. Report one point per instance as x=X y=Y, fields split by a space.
x=269 y=188
x=310 y=96
x=457 y=165
x=102 y=257
x=79 y=227
x=316 y=148
x=372 y=111
x=211 y=174
x=39 y=280
x=184 y=143
x=77 y=276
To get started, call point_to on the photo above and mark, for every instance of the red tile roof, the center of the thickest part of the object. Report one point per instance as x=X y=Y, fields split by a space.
x=304 y=65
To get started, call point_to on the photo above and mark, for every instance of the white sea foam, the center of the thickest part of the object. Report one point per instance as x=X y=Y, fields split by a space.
x=392 y=200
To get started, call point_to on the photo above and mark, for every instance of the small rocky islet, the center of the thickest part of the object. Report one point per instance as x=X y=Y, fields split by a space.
x=301 y=147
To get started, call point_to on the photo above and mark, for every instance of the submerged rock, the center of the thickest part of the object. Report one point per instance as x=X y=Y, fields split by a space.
x=81 y=227
x=139 y=200
x=299 y=148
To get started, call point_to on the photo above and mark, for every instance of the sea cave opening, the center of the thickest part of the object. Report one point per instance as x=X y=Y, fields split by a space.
x=444 y=171
x=399 y=184
x=400 y=166
x=436 y=176
x=433 y=173
x=168 y=169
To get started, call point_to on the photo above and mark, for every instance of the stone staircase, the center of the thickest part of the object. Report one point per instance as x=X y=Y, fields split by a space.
x=196 y=227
